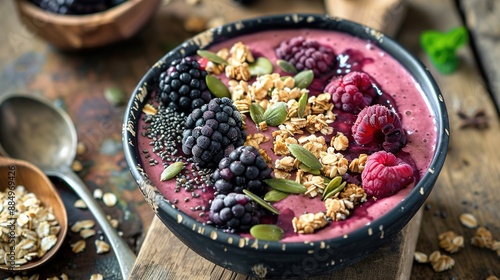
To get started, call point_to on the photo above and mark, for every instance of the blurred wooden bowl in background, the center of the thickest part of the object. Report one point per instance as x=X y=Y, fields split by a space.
x=76 y=32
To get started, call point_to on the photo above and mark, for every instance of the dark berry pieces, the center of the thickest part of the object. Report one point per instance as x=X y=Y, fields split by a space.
x=307 y=54
x=351 y=60
x=385 y=174
x=244 y=168
x=212 y=132
x=352 y=92
x=377 y=125
x=234 y=212
x=183 y=86
x=76 y=7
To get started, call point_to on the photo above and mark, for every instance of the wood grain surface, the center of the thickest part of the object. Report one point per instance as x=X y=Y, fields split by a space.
x=76 y=81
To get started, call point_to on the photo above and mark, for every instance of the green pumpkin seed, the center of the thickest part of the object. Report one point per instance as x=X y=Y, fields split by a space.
x=275 y=114
x=267 y=232
x=334 y=183
x=217 y=87
x=302 y=104
x=212 y=57
x=275 y=195
x=304 y=79
x=285 y=77
x=334 y=191
x=256 y=113
x=286 y=66
x=261 y=202
x=115 y=96
x=261 y=66
x=171 y=171
x=285 y=185
x=304 y=167
x=304 y=156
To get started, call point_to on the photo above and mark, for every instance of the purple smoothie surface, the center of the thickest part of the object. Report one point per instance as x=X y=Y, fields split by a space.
x=399 y=90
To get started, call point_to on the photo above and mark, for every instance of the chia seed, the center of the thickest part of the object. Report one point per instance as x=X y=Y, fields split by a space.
x=186 y=199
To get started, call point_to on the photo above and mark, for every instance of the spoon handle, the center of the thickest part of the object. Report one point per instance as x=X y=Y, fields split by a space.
x=124 y=254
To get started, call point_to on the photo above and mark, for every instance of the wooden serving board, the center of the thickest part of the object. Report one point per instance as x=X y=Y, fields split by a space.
x=173 y=260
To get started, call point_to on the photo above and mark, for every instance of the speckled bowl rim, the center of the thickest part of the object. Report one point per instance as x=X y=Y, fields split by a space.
x=412 y=202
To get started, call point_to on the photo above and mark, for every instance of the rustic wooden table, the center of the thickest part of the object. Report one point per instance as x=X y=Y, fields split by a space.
x=77 y=81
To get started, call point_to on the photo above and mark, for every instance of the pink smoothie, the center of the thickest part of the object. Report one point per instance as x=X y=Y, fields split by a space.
x=397 y=86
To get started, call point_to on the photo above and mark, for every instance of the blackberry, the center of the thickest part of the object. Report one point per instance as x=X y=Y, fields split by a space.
x=183 y=86
x=212 y=132
x=244 y=168
x=235 y=212
x=307 y=55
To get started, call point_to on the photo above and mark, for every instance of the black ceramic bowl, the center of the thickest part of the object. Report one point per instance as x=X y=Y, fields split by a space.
x=272 y=259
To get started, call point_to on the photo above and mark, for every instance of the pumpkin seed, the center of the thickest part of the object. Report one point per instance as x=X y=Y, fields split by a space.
x=217 y=87
x=275 y=195
x=261 y=66
x=261 y=202
x=212 y=57
x=304 y=156
x=171 y=171
x=304 y=79
x=256 y=113
x=334 y=191
x=286 y=66
x=302 y=104
x=275 y=114
x=115 y=96
x=304 y=167
x=267 y=232
x=285 y=185
x=334 y=183
x=285 y=77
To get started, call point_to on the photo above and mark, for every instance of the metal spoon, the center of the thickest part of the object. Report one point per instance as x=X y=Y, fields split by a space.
x=35 y=130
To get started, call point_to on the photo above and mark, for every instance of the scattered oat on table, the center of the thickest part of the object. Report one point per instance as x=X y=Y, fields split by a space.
x=83 y=224
x=450 y=241
x=98 y=194
x=80 y=204
x=101 y=247
x=96 y=276
x=78 y=246
x=109 y=199
x=468 y=220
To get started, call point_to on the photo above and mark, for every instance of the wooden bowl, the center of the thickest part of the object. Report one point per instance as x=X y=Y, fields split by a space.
x=75 y=32
x=17 y=172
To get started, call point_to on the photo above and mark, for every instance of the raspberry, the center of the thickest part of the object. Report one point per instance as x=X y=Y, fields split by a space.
x=385 y=174
x=234 y=212
x=212 y=132
x=244 y=168
x=183 y=86
x=307 y=55
x=352 y=92
x=378 y=125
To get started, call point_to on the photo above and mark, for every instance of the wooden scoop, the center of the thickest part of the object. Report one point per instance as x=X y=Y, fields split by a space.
x=15 y=173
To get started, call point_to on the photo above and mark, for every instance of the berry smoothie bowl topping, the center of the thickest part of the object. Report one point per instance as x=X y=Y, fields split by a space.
x=277 y=151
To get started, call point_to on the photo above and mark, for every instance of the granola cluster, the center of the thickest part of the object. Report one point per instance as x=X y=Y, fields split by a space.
x=307 y=124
